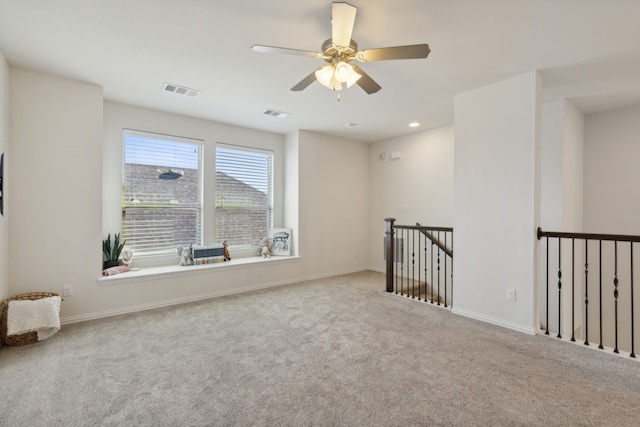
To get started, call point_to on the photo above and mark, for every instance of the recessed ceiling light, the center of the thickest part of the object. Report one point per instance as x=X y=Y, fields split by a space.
x=351 y=125
x=414 y=124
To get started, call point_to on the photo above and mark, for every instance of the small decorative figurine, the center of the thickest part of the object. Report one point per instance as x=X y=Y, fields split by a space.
x=265 y=249
x=186 y=256
x=227 y=256
x=127 y=256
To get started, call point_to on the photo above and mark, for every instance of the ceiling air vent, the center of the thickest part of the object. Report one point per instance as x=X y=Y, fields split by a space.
x=181 y=90
x=276 y=113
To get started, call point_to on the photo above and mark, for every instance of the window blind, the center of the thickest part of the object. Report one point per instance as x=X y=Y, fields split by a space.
x=243 y=194
x=162 y=196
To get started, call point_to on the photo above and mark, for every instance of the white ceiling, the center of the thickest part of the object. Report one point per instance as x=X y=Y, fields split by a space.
x=587 y=51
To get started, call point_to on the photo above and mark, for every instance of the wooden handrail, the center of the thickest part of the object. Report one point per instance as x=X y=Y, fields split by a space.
x=422 y=227
x=588 y=236
x=427 y=232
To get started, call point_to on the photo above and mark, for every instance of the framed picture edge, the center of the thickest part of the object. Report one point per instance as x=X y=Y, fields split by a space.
x=280 y=241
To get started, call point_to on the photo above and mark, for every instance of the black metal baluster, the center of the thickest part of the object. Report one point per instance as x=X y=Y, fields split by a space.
x=426 y=271
x=419 y=268
x=601 y=346
x=547 y=293
x=396 y=260
x=438 y=269
x=573 y=288
x=396 y=242
x=404 y=232
x=431 y=284
x=452 y=269
x=559 y=286
x=632 y=321
x=395 y=274
x=586 y=292
x=445 y=270
x=615 y=293
x=413 y=264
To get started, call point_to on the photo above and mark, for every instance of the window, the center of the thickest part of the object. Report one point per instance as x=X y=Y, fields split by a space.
x=243 y=194
x=162 y=193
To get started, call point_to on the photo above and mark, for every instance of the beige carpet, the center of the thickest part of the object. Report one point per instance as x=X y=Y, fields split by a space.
x=332 y=352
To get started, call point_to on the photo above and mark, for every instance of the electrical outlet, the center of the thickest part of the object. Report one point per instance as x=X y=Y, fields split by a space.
x=67 y=290
x=511 y=295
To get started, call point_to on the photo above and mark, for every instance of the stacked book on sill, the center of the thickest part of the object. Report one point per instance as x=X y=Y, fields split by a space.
x=207 y=254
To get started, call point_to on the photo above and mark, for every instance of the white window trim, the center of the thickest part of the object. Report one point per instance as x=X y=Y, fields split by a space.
x=155 y=258
x=244 y=250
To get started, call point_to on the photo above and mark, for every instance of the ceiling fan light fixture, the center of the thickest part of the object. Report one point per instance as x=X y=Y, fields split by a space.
x=346 y=74
x=343 y=72
x=325 y=75
x=353 y=78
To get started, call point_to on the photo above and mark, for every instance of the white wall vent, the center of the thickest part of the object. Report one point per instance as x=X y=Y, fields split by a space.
x=276 y=113
x=182 y=90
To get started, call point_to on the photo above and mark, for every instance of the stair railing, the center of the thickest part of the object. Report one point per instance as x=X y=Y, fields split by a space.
x=613 y=316
x=415 y=255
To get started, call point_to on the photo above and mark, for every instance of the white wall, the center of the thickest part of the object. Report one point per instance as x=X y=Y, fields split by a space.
x=334 y=199
x=292 y=188
x=4 y=145
x=611 y=172
x=552 y=147
x=421 y=180
x=573 y=177
x=496 y=201
x=55 y=182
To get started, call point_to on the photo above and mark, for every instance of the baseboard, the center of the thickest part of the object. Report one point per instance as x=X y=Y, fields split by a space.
x=150 y=306
x=494 y=321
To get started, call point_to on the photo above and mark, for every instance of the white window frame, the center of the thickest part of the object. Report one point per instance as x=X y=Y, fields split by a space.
x=201 y=184
x=271 y=191
x=208 y=187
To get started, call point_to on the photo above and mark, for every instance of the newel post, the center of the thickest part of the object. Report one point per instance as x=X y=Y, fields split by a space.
x=389 y=246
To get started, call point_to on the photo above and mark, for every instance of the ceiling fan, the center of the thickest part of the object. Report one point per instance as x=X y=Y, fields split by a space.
x=340 y=50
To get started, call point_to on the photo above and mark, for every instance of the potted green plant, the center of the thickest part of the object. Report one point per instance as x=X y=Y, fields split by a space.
x=111 y=252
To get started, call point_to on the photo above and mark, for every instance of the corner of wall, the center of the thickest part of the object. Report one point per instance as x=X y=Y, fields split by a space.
x=291 y=187
x=4 y=143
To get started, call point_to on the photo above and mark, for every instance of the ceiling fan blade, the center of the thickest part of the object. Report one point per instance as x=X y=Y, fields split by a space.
x=415 y=51
x=343 y=16
x=305 y=82
x=366 y=82
x=284 y=50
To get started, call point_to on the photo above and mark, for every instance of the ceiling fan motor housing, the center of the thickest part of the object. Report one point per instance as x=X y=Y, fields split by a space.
x=334 y=54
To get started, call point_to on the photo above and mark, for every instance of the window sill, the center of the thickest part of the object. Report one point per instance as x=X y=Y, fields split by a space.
x=150 y=273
